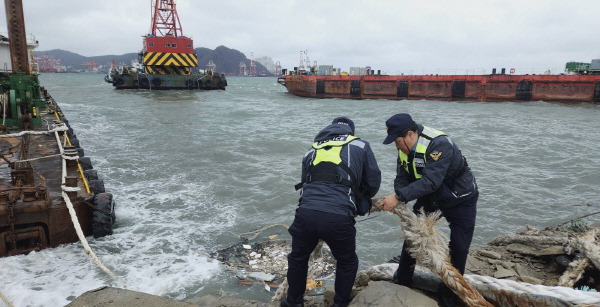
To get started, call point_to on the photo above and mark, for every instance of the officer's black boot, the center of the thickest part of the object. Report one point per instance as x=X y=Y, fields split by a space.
x=285 y=303
x=403 y=279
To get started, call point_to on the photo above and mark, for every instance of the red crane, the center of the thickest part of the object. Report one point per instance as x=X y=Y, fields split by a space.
x=165 y=18
x=166 y=32
x=166 y=49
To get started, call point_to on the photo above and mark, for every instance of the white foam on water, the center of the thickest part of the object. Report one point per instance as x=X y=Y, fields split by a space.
x=158 y=247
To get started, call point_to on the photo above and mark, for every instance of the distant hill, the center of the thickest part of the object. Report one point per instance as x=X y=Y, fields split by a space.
x=227 y=60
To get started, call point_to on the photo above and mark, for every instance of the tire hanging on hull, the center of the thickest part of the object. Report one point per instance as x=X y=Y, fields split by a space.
x=103 y=216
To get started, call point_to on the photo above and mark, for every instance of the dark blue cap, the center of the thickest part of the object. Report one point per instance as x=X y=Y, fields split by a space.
x=397 y=124
x=343 y=120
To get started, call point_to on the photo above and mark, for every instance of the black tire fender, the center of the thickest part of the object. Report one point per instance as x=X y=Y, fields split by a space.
x=74 y=141
x=97 y=186
x=103 y=215
x=156 y=81
x=91 y=174
x=86 y=163
x=144 y=82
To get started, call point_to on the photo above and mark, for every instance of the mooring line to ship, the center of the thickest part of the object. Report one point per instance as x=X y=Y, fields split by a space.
x=429 y=248
x=5 y=300
x=73 y=214
x=56 y=129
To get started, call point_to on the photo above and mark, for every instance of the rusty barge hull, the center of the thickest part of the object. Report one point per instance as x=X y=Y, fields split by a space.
x=551 y=88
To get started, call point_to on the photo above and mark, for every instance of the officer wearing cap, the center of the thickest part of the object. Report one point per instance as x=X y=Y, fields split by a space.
x=432 y=170
x=339 y=177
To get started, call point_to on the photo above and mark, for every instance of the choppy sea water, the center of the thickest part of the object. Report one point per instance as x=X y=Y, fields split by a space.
x=191 y=171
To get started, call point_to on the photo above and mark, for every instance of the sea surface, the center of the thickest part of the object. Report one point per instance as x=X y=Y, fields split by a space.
x=191 y=171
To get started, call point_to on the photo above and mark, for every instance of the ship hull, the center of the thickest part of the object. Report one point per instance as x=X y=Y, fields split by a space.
x=122 y=81
x=554 y=88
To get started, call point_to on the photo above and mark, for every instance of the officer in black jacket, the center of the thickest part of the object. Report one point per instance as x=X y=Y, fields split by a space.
x=339 y=177
x=432 y=170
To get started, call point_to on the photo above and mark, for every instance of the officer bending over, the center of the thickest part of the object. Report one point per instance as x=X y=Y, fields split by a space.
x=339 y=177
x=432 y=170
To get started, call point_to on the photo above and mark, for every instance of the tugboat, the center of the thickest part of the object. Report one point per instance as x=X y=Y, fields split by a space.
x=168 y=59
x=49 y=191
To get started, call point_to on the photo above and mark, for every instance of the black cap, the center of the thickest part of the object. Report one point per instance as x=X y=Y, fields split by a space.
x=343 y=120
x=397 y=124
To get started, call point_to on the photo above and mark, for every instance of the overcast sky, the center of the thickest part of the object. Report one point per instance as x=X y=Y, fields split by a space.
x=392 y=35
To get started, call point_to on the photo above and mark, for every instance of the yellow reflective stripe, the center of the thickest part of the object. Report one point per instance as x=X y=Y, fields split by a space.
x=422 y=144
x=332 y=154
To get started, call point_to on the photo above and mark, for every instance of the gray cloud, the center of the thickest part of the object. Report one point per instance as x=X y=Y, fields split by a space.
x=395 y=36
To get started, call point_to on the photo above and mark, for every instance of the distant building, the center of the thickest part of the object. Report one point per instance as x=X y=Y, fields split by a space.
x=5 y=59
x=358 y=71
x=325 y=70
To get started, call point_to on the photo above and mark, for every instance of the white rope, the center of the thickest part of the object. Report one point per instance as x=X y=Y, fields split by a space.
x=75 y=221
x=5 y=300
x=3 y=99
x=70 y=189
x=567 y=294
x=56 y=129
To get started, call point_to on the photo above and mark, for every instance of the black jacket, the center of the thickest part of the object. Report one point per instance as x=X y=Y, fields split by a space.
x=338 y=198
x=444 y=181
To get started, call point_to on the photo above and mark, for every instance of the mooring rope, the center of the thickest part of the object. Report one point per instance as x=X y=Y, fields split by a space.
x=503 y=292
x=429 y=248
x=5 y=300
x=74 y=219
x=573 y=296
x=574 y=272
x=22 y=133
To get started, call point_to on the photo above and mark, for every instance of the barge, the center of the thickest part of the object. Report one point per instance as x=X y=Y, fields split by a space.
x=495 y=87
x=168 y=60
x=49 y=191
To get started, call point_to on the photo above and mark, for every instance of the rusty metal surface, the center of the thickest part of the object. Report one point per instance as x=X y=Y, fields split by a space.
x=17 y=36
x=33 y=214
x=556 y=88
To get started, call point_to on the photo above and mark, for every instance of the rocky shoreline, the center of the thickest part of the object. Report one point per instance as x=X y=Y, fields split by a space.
x=530 y=257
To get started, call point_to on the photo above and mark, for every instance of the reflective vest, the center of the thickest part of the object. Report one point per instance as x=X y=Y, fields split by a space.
x=327 y=160
x=414 y=165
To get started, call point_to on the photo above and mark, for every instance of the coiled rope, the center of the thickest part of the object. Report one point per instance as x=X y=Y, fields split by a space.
x=430 y=250
x=73 y=214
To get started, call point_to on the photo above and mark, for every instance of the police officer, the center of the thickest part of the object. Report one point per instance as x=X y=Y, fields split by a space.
x=339 y=177
x=432 y=170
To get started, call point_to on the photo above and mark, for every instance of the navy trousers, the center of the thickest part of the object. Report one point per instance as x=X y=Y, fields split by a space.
x=461 y=219
x=339 y=233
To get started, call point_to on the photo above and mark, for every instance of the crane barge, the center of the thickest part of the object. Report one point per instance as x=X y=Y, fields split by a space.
x=168 y=60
